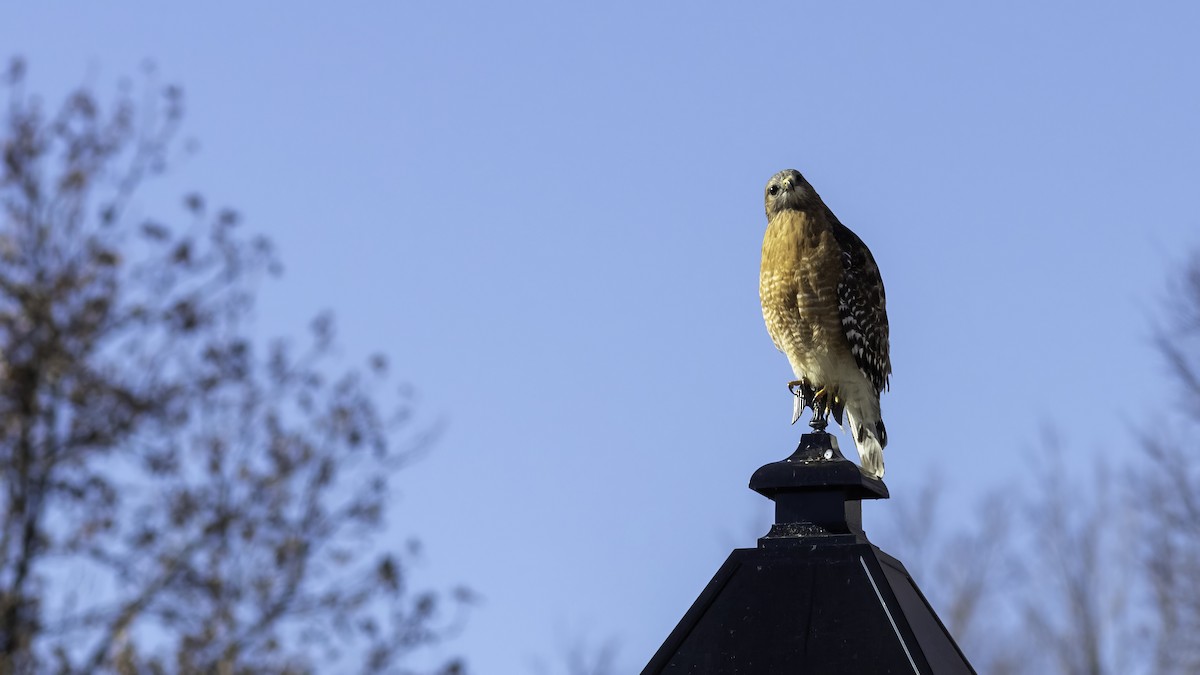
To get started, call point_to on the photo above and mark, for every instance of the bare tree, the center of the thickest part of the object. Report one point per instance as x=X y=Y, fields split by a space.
x=1075 y=570
x=966 y=574
x=1165 y=489
x=174 y=497
x=1105 y=572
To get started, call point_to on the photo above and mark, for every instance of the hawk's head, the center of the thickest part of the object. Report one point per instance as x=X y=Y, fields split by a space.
x=788 y=190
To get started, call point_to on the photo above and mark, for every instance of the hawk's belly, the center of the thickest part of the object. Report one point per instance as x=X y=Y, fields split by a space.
x=798 y=286
x=805 y=326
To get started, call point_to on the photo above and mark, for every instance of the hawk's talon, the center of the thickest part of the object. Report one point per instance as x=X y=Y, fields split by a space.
x=802 y=391
x=822 y=403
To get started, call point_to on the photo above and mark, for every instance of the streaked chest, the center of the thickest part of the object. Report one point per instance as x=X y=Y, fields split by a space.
x=801 y=266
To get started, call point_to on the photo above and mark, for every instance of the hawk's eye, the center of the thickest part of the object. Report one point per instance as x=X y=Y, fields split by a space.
x=773 y=190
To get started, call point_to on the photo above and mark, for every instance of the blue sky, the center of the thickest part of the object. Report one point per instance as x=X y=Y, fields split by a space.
x=549 y=215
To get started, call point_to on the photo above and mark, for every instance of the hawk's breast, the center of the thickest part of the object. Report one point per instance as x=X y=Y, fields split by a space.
x=798 y=281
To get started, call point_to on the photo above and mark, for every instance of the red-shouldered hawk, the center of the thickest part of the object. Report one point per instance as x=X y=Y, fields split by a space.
x=823 y=301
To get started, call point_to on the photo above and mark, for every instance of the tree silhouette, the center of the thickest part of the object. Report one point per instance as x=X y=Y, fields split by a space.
x=1104 y=576
x=173 y=496
x=1166 y=485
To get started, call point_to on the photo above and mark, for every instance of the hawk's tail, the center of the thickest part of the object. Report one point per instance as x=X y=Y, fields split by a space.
x=870 y=437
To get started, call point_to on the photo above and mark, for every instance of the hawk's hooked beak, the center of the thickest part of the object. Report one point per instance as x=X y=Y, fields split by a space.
x=787 y=184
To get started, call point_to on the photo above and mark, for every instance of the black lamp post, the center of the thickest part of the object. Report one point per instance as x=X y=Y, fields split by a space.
x=815 y=596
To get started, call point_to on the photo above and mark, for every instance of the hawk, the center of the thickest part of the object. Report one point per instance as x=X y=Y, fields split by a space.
x=823 y=302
